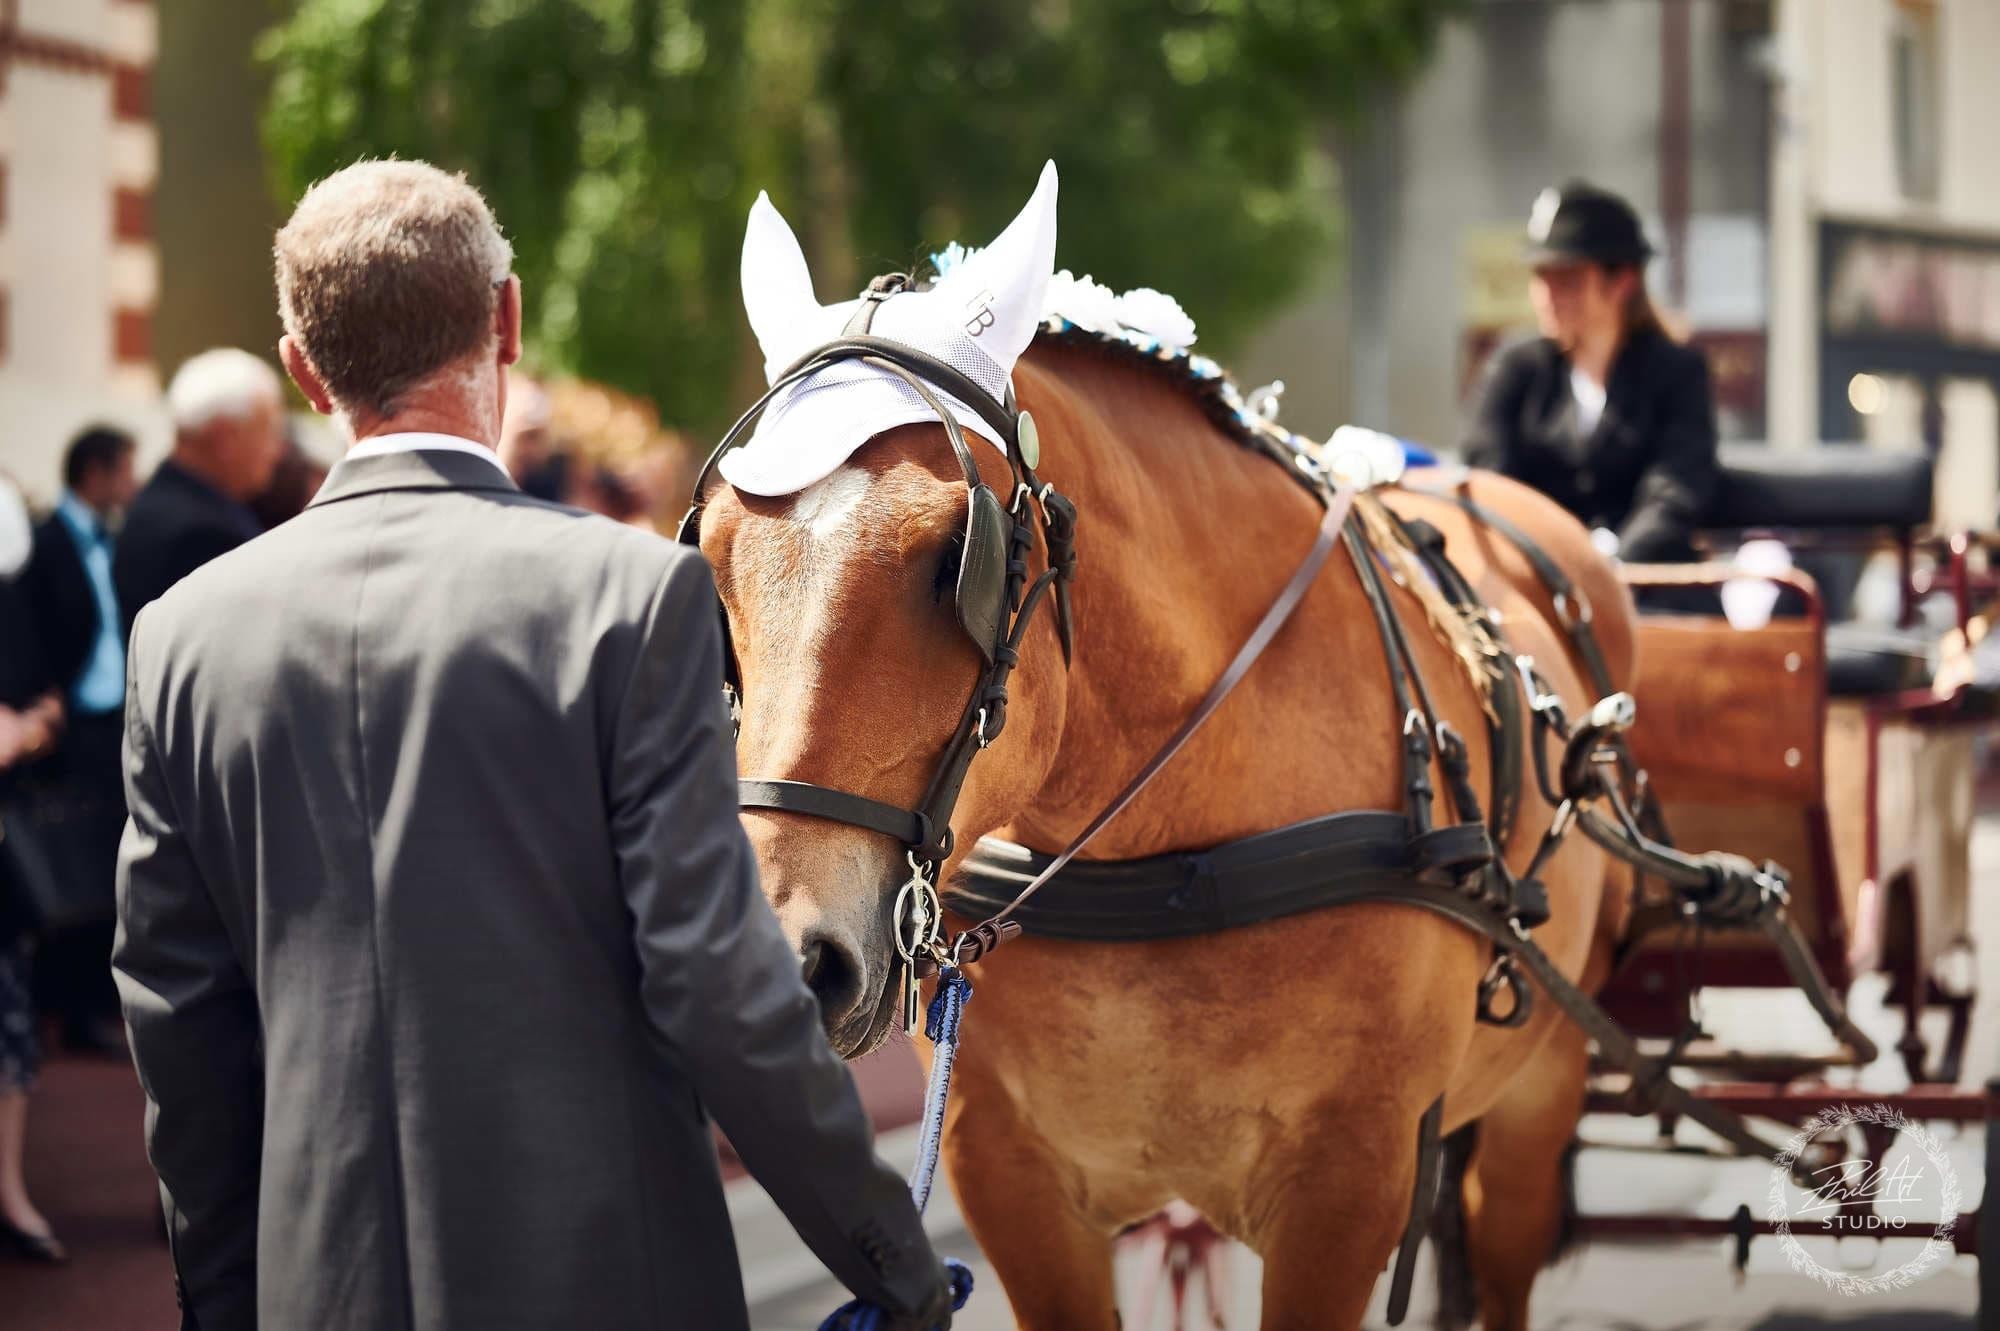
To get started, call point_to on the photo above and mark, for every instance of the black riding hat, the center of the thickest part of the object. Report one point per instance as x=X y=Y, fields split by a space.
x=1581 y=223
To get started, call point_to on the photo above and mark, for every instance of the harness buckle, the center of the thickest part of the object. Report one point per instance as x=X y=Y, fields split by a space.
x=1573 y=608
x=979 y=735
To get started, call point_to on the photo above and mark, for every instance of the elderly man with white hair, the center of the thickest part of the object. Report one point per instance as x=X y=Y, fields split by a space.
x=229 y=418
x=440 y=938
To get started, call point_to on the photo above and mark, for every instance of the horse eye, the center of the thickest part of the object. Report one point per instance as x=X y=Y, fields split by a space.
x=946 y=580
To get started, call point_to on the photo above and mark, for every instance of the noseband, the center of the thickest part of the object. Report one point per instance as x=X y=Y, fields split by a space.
x=995 y=600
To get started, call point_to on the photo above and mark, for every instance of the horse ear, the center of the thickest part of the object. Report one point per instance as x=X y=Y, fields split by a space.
x=1000 y=290
x=777 y=285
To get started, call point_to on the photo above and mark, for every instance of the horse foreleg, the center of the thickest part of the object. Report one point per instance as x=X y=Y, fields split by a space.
x=1054 y=1264
x=1333 y=1219
x=1517 y=1193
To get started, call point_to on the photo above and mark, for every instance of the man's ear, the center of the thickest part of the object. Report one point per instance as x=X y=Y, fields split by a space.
x=301 y=370
x=507 y=321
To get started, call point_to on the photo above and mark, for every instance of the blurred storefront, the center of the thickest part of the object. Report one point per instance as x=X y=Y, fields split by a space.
x=1886 y=235
x=79 y=272
x=1665 y=101
x=1820 y=175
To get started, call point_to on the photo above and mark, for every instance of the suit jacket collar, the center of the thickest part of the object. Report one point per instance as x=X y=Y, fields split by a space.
x=417 y=469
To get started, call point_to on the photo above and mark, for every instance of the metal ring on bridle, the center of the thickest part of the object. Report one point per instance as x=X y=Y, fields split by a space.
x=917 y=930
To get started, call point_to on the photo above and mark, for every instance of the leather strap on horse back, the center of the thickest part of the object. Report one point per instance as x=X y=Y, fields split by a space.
x=1573 y=611
x=1365 y=855
x=974 y=943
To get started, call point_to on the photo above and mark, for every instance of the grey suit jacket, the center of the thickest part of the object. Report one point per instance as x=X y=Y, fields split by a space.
x=438 y=929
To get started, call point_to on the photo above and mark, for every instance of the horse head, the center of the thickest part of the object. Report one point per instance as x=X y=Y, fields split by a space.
x=838 y=548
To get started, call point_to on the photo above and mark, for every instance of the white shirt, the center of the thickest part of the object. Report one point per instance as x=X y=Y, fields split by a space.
x=17 y=537
x=1589 y=395
x=416 y=441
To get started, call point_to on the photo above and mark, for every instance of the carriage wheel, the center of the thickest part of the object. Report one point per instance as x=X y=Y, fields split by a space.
x=1987 y=1217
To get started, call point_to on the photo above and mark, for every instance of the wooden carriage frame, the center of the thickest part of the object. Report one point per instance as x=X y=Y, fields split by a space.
x=1859 y=913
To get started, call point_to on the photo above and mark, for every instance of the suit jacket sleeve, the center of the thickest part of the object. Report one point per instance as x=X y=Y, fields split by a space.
x=1675 y=488
x=196 y=1038
x=1489 y=436
x=721 y=983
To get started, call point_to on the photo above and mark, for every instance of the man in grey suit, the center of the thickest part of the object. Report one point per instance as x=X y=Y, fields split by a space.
x=437 y=928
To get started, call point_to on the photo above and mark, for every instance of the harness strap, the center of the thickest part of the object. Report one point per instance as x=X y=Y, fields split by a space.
x=970 y=945
x=906 y=825
x=1423 y=1199
x=1572 y=607
x=1416 y=726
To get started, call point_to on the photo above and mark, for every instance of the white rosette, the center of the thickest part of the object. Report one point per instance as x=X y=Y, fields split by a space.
x=1156 y=312
x=1082 y=301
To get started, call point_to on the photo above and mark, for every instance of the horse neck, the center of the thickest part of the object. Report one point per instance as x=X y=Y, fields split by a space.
x=1185 y=539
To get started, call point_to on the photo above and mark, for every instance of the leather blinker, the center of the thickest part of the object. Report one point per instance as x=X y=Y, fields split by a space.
x=982 y=571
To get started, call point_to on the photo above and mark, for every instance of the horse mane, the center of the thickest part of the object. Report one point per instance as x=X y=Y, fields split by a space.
x=1466 y=632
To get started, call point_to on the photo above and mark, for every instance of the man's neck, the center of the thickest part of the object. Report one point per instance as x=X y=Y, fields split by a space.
x=420 y=419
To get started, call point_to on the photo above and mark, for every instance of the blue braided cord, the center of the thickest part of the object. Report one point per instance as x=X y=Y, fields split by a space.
x=941 y=1025
x=947 y=1009
x=859 y=1316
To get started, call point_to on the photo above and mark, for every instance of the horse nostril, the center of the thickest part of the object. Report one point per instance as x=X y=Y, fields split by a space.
x=831 y=974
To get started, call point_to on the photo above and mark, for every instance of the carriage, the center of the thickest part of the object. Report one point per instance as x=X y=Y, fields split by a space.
x=1848 y=754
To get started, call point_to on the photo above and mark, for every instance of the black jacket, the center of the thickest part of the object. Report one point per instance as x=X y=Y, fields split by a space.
x=57 y=590
x=23 y=679
x=178 y=523
x=1647 y=472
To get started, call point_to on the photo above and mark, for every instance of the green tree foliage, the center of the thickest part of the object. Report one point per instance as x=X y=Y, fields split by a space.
x=621 y=142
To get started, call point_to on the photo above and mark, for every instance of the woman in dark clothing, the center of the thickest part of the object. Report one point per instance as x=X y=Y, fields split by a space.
x=30 y=717
x=1604 y=412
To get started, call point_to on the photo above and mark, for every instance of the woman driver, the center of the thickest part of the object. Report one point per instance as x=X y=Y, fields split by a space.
x=1604 y=412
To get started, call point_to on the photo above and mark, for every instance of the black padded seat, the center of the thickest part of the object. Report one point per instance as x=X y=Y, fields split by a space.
x=1833 y=485
x=1863 y=660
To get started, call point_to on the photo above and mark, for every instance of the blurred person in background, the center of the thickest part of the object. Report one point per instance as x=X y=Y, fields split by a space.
x=30 y=723
x=229 y=435
x=79 y=789
x=527 y=444
x=294 y=482
x=1605 y=412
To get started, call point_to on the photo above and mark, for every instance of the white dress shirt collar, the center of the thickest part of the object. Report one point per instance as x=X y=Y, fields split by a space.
x=383 y=444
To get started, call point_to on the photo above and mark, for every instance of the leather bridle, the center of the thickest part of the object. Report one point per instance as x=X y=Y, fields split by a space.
x=995 y=601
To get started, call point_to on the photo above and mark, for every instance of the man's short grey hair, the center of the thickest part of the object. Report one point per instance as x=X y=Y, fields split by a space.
x=221 y=384
x=388 y=272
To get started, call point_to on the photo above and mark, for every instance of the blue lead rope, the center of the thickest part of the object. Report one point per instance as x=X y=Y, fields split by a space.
x=941 y=1025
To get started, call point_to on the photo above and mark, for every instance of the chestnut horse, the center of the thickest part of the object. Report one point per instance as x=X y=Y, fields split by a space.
x=1272 y=1076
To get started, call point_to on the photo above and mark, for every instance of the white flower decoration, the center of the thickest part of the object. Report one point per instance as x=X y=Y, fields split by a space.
x=1157 y=313
x=1083 y=302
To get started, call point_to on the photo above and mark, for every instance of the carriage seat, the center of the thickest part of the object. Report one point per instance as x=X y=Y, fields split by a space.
x=1831 y=485
x=1864 y=660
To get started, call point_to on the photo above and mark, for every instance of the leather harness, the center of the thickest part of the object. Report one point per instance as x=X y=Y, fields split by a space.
x=1452 y=869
